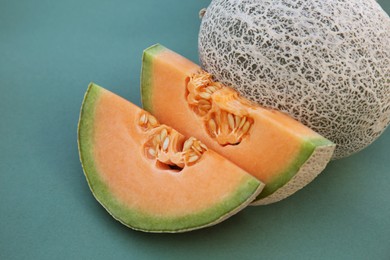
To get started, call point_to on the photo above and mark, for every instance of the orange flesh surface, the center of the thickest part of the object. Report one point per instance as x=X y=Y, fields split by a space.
x=137 y=182
x=257 y=153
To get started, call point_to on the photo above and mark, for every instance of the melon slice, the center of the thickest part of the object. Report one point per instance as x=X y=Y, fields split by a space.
x=148 y=176
x=276 y=149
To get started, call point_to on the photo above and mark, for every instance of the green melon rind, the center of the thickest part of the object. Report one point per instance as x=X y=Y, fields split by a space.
x=281 y=179
x=312 y=160
x=306 y=152
x=136 y=219
x=146 y=74
x=279 y=188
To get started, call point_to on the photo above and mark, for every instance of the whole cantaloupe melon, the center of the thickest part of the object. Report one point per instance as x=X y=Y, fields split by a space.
x=326 y=63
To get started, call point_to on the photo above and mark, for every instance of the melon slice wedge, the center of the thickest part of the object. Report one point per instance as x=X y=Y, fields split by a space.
x=150 y=177
x=276 y=149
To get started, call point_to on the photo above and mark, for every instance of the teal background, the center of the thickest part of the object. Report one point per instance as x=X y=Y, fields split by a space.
x=49 y=52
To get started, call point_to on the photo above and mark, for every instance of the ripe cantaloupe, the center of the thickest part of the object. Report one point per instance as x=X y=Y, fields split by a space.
x=326 y=63
x=148 y=176
x=278 y=150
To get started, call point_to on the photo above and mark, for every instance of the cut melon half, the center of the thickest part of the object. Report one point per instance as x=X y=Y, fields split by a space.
x=150 y=177
x=276 y=149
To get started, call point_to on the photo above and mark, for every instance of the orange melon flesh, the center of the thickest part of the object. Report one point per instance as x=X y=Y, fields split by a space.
x=138 y=192
x=276 y=148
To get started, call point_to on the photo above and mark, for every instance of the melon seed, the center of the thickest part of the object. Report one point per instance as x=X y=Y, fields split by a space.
x=245 y=128
x=230 y=121
x=208 y=91
x=204 y=95
x=205 y=107
x=163 y=134
x=152 y=152
x=212 y=89
x=193 y=158
x=203 y=146
x=204 y=102
x=152 y=120
x=197 y=146
x=237 y=120
x=143 y=119
x=166 y=143
x=242 y=122
x=212 y=126
x=187 y=145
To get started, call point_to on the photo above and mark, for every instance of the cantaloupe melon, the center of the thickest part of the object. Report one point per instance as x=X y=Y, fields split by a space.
x=324 y=62
x=278 y=150
x=148 y=176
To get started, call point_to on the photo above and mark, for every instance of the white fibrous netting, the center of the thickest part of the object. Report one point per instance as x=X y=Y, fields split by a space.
x=326 y=63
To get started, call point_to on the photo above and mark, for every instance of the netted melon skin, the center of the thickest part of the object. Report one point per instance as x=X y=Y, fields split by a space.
x=326 y=63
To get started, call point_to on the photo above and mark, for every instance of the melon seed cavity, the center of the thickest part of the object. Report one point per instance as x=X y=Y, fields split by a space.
x=166 y=146
x=221 y=108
